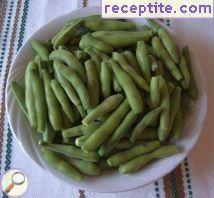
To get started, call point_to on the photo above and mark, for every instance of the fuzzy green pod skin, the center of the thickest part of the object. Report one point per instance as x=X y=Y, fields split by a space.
x=49 y=134
x=19 y=95
x=137 y=163
x=108 y=105
x=167 y=60
x=29 y=96
x=40 y=102
x=68 y=87
x=92 y=82
x=54 y=109
x=97 y=23
x=86 y=168
x=131 y=71
x=69 y=59
x=107 y=128
x=142 y=56
x=177 y=126
x=128 y=86
x=95 y=58
x=71 y=151
x=132 y=60
x=80 y=140
x=78 y=84
x=175 y=100
x=122 y=38
x=89 y=41
x=192 y=90
x=40 y=49
x=56 y=162
x=116 y=86
x=169 y=44
x=88 y=130
x=109 y=144
x=154 y=93
x=72 y=132
x=81 y=130
x=105 y=79
x=185 y=73
x=125 y=156
x=64 y=36
x=154 y=25
x=163 y=129
x=147 y=120
x=62 y=99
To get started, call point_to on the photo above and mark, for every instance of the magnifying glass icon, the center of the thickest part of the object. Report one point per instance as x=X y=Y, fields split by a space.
x=17 y=178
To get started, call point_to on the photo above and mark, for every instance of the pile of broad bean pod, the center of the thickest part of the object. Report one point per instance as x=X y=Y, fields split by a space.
x=103 y=95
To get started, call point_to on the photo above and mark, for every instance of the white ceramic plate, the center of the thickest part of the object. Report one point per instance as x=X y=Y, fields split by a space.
x=109 y=181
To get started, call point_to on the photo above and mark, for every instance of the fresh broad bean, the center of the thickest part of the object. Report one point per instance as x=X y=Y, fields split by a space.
x=49 y=134
x=95 y=58
x=167 y=60
x=154 y=25
x=29 y=96
x=79 y=86
x=137 y=163
x=69 y=59
x=62 y=99
x=192 y=90
x=108 y=105
x=92 y=82
x=56 y=162
x=147 y=120
x=116 y=86
x=64 y=36
x=72 y=132
x=80 y=140
x=40 y=102
x=54 y=109
x=68 y=87
x=87 y=168
x=154 y=93
x=107 y=128
x=122 y=38
x=185 y=73
x=131 y=71
x=142 y=56
x=132 y=60
x=88 y=41
x=122 y=129
x=138 y=150
x=128 y=86
x=40 y=49
x=169 y=44
x=97 y=23
x=19 y=95
x=105 y=79
x=71 y=151
x=163 y=129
